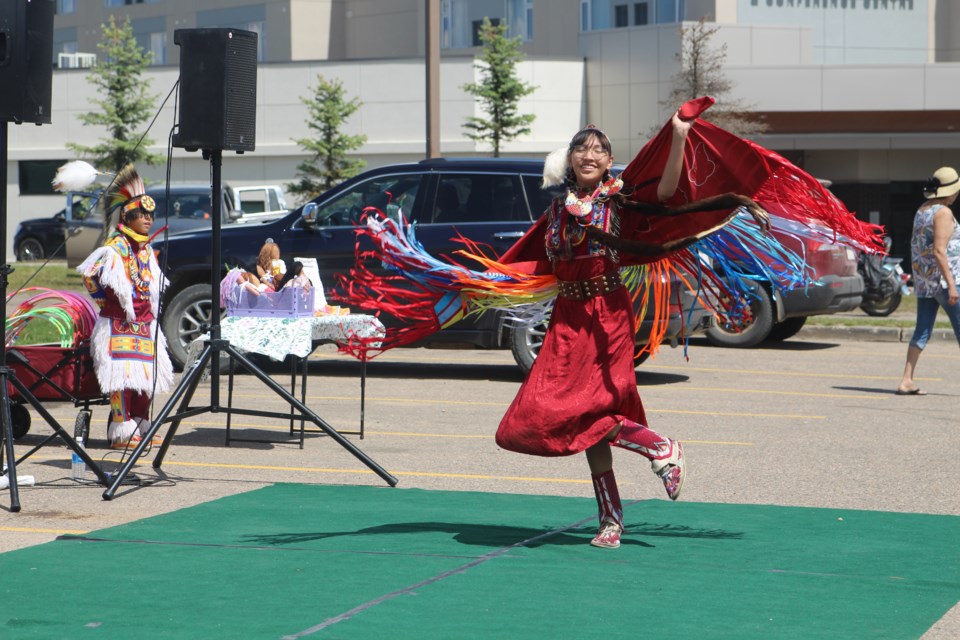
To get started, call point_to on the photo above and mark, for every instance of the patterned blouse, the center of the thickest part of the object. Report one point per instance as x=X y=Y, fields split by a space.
x=927 y=281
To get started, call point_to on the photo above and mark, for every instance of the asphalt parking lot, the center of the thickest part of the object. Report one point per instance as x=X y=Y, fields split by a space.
x=810 y=422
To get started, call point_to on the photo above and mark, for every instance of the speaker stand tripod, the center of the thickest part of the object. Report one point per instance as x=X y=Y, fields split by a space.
x=211 y=355
x=8 y=377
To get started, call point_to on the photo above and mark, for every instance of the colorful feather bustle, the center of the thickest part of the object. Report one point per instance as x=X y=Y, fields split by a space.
x=72 y=315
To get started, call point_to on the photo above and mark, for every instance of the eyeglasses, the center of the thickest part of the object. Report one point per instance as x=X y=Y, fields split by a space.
x=580 y=151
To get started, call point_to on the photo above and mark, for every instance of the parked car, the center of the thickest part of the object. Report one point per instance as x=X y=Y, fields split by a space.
x=189 y=208
x=40 y=238
x=775 y=315
x=489 y=200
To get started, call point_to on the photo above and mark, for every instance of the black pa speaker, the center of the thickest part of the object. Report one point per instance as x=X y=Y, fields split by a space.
x=218 y=89
x=26 y=60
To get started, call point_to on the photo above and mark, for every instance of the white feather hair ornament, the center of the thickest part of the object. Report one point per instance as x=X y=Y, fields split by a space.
x=76 y=175
x=555 y=168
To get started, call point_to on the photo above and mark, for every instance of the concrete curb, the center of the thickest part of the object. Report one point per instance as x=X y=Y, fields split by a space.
x=869 y=334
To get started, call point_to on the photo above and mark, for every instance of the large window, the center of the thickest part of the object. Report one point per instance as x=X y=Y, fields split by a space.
x=518 y=14
x=620 y=13
x=258 y=28
x=477 y=24
x=158 y=47
x=607 y=14
x=151 y=35
x=66 y=6
x=250 y=18
x=641 y=13
x=460 y=20
x=669 y=10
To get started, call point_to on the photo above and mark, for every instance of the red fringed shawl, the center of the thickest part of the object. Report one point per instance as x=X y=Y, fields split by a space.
x=715 y=162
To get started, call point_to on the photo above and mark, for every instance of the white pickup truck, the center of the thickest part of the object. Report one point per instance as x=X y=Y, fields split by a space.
x=259 y=202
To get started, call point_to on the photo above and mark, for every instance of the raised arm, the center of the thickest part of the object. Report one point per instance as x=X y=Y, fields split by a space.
x=671 y=171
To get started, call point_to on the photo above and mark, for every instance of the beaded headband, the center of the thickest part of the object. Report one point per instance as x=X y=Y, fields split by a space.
x=144 y=202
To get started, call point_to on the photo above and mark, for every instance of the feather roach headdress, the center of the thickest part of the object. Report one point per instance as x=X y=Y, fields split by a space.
x=127 y=193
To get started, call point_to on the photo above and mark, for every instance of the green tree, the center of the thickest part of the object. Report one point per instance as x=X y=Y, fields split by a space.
x=124 y=103
x=328 y=164
x=499 y=90
x=701 y=74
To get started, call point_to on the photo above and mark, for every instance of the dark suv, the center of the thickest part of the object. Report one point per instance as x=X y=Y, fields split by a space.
x=489 y=200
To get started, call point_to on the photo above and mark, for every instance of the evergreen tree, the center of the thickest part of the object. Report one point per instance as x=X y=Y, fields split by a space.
x=499 y=90
x=701 y=74
x=124 y=102
x=328 y=164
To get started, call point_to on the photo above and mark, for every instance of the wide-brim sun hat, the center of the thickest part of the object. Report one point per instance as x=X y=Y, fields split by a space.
x=944 y=183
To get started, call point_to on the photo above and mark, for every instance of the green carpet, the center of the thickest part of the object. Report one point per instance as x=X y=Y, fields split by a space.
x=366 y=562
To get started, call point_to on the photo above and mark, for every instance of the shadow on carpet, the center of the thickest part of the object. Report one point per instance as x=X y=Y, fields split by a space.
x=292 y=561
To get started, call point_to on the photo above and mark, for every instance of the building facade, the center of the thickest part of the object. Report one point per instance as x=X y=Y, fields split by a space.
x=861 y=92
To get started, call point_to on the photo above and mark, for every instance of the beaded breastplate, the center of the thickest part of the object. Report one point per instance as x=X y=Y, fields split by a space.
x=566 y=235
x=136 y=259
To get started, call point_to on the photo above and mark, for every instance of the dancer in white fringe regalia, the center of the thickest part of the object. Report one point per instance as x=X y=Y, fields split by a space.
x=123 y=277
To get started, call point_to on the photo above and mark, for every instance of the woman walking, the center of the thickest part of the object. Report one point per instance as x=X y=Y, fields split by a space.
x=935 y=249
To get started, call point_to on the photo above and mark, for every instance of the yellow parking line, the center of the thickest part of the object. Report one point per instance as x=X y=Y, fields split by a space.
x=799 y=416
x=412 y=434
x=356 y=398
x=499 y=358
x=464 y=403
x=35 y=530
x=426 y=474
x=311 y=426
x=796 y=374
x=412 y=474
x=771 y=392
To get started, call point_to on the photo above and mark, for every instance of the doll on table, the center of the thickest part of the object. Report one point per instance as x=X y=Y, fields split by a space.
x=272 y=270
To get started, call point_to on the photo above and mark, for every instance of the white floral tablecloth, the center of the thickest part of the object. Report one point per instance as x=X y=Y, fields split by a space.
x=279 y=337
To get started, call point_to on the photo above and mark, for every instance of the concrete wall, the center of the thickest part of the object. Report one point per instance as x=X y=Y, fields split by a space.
x=944 y=27
x=851 y=31
x=85 y=24
x=392 y=117
x=628 y=73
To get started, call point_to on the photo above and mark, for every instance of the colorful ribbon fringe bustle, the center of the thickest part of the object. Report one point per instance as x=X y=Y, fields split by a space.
x=426 y=294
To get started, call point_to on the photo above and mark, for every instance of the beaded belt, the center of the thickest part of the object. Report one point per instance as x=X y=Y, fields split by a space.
x=586 y=289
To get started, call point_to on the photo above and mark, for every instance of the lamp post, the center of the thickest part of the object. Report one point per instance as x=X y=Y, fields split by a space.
x=433 y=77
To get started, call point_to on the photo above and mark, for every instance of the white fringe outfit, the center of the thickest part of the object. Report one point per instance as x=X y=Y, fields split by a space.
x=129 y=352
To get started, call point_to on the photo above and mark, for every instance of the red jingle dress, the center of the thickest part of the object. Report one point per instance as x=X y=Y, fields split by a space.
x=583 y=382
